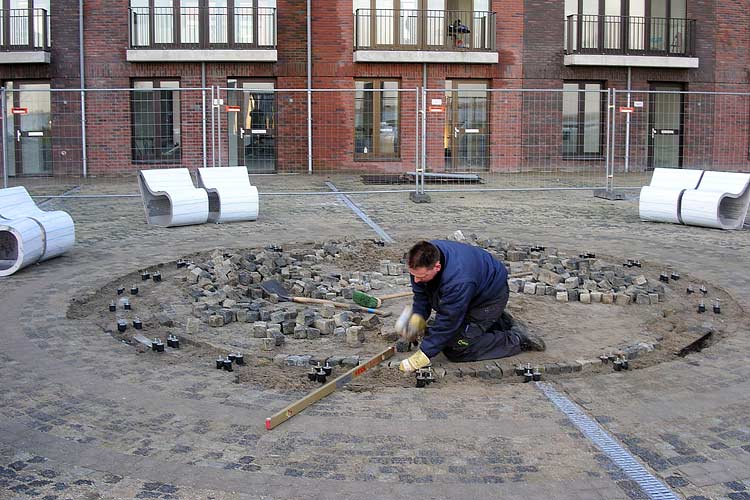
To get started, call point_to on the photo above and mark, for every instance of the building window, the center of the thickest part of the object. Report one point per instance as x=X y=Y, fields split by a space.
x=582 y=111
x=202 y=22
x=636 y=25
x=421 y=23
x=24 y=23
x=376 y=120
x=155 y=106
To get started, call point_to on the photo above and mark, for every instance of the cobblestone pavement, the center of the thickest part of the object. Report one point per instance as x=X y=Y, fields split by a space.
x=82 y=416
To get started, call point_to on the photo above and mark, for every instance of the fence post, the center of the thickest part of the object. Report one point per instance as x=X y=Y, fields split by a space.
x=608 y=192
x=418 y=195
x=417 y=156
x=84 y=147
x=611 y=176
x=218 y=121
x=203 y=124
x=608 y=148
x=5 y=142
x=213 y=127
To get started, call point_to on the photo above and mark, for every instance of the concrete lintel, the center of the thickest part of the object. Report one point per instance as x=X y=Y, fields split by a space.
x=25 y=57
x=635 y=61
x=198 y=55
x=425 y=56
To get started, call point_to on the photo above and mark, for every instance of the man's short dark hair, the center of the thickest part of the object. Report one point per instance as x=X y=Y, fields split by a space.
x=423 y=254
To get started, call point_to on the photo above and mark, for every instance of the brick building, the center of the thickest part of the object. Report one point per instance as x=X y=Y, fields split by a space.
x=514 y=85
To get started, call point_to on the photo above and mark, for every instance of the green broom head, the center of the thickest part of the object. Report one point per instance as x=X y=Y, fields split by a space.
x=364 y=300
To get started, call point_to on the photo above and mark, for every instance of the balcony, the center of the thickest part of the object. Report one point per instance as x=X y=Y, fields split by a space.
x=630 y=41
x=24 y=36
x=211 y=34
x=419 y=36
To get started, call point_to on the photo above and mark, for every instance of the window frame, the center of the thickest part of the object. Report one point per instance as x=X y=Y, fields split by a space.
x=208 y=28
x=157 y=90
x=579 y=153
x=375 y=140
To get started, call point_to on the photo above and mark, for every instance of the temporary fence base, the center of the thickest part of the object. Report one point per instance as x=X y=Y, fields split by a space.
x=609 y=194
x=420 y=197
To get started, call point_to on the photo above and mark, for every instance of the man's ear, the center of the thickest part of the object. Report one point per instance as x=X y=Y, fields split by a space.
x=437 y=267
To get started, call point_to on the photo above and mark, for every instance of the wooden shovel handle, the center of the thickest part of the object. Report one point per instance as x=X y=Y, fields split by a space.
x=406 y=294
x=341 y=305
x=395 y=295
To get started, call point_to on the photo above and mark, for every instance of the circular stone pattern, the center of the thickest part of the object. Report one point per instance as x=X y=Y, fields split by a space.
x=590 y=309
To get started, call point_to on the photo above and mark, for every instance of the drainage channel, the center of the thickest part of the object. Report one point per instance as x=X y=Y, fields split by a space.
x=361 y=214
x=651 y=486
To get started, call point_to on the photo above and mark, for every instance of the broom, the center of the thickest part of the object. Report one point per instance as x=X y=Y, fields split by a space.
x=365 y=300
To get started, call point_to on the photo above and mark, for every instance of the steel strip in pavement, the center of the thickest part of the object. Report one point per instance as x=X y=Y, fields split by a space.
x=361 y=214
x=655 y=489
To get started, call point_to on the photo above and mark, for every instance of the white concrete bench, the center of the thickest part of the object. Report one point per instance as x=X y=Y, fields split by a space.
x=171 y=199
x=721 y=201
x=660 y=201
x=29 y=234
x=230 y=195
x=21 y=244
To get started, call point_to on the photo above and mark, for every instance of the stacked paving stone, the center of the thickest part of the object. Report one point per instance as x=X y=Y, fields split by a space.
x=580 y=279
x=569 y=279
x=226 y=289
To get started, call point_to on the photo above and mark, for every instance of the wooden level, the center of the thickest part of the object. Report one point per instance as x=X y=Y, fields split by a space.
x=339 y=382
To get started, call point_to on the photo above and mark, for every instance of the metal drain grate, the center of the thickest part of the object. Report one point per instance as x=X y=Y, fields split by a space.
x=650 y=485
x=349 y=203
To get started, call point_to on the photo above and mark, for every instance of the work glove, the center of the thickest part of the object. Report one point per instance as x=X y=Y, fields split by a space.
x=410 y=326
x=414 y=362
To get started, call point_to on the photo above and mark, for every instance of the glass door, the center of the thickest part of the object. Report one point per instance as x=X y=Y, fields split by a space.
x=29 y=129
x=665 y=125
x=466 y=126
x=251 y=120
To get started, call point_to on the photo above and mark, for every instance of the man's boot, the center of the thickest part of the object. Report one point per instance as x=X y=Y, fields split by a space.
x=528 y=341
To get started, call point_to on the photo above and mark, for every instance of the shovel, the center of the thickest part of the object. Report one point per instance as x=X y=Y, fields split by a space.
x=275 y=287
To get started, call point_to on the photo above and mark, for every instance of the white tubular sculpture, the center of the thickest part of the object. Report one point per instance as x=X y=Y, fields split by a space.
x=171 y=199
x=721 y=201
x=29 y=234
x=660 y=201
x=230 y=196
x=21 y=244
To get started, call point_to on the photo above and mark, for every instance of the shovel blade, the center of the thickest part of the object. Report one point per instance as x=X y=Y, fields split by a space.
x=275 y=286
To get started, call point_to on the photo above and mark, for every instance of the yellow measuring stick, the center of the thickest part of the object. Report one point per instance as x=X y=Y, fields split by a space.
x=294 y=408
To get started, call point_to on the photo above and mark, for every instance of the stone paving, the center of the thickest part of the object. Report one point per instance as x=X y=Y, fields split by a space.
x=82 y=416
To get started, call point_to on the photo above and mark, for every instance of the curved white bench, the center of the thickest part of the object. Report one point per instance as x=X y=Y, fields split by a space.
x=660 y=201
x=230 y=195
x=721 y=201
x=19 y=212
x=171 y=199
x=21 y=244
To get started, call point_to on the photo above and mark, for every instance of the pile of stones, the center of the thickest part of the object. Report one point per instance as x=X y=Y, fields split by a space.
x=226 y=288
x=570 y=279
x=583 y=279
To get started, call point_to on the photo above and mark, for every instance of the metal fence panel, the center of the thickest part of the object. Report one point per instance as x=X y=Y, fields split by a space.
x=373 y=137
x=156 y=125
x=479 y=138
x=673 y=129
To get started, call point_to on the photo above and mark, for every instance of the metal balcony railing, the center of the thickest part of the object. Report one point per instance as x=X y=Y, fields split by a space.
x=405 y=29
x=626 y=35
x=24 y=29
x=202 y=28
